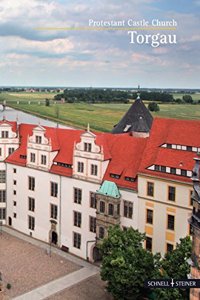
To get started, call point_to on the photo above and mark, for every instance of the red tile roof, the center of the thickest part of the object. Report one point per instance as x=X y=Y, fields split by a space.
x=127 y=155
x=172 y=131
x=126 y=152
x=116 y=149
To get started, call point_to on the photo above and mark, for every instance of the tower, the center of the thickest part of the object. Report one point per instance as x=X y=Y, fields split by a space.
x=137 y=120
x=195 y=225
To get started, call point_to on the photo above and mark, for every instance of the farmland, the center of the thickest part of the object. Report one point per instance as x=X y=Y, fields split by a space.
x=101 y=117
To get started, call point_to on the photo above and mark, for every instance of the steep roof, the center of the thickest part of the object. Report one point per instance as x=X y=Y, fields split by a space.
x=137 y=118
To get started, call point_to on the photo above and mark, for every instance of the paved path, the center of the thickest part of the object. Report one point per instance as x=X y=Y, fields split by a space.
x=59 y=284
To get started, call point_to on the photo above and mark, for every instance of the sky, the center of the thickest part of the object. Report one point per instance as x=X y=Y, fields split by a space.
x=33 y=55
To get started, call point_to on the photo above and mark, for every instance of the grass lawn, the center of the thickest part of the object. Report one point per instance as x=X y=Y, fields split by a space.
x=101 y=117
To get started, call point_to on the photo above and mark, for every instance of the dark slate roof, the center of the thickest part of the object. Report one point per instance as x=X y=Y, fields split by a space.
x=137 y=118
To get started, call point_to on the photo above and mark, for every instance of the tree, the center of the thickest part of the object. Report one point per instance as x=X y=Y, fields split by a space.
x=126 y=264
x=175 y=265
x=153 y=106
x=47 y=102
x=187 y=99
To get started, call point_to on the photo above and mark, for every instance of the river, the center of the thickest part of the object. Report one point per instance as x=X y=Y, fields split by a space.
x=11 y=114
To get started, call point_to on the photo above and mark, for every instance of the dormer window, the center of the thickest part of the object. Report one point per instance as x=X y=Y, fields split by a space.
x=4 y=134
x=38 y=139
x=114 y=175
x=87 y=147
x=129 y=179
x=173 y=171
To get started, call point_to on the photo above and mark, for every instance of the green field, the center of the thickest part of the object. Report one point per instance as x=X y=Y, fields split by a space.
x=101 y=117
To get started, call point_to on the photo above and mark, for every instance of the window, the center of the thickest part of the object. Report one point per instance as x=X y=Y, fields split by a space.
x=0 y=151
x=116 y=176
x=14 y=182
x=171 y=193
x=10 y=150
x=4 y=134
x=15 y=215
x=190 y=229
x=157 y=168
x=101 y=232
x=102 y=206
x=87 y=147
x=148 y=243
x=93 y=200
x=54 y=211
x=189 y=148
x=2 y=176
x=38 y=139
x=149 y=219
x=77 y=240
x=54 y=189
x=77 y=219
x=118 y=209
x=43 y=160
x=128 y=209
x=14 y=170
x=14 y=203
x=129 y=179
x=110 y=209
x=80 y=167
x=184 y=173
x=32 y=157
x=77 y=195
x=150 y=189
x=173 y=171
x=2 y=213
x=31 y=223
x=170 y=247
x=14 y=192
x=94 y=170
x=163 y=169
x=31 y=183
x=92 y=224
x=190 y=197
x=2 y=196
x=170 y=222
x=31 y=204
x=64 y=165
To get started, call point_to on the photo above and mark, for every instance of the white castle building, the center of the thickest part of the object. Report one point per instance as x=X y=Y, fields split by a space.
x=66 y=187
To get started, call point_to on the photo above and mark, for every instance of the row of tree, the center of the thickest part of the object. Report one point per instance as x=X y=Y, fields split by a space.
x=109 y=95
x=126 y=265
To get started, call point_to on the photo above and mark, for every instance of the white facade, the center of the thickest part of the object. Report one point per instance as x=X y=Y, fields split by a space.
x=57 y=208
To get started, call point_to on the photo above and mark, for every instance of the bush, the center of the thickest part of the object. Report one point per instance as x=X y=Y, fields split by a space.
x=153 y=106
x=187 y=99
x=8 y=286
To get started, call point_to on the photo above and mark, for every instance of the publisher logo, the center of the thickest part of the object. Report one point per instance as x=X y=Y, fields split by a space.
x=172 y=283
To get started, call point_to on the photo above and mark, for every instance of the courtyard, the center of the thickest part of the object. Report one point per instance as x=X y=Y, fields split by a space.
x=27 y=267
